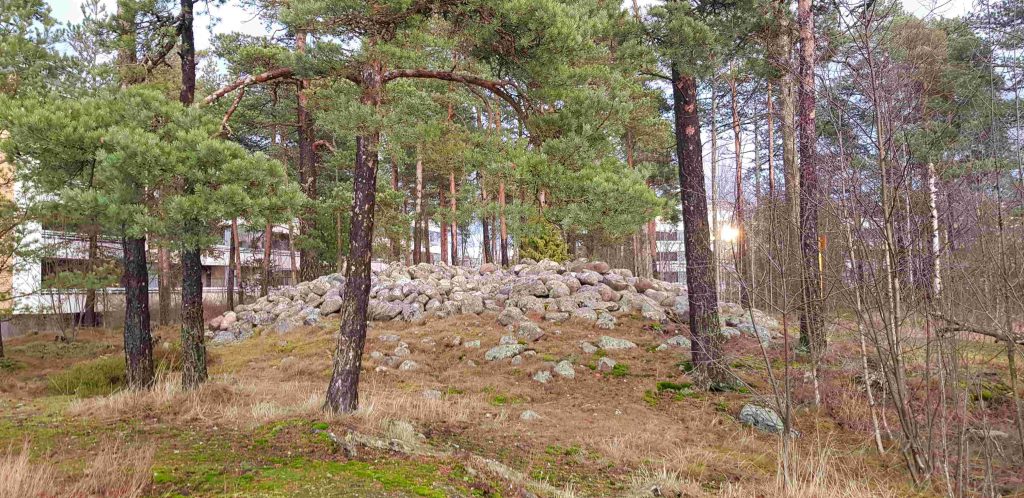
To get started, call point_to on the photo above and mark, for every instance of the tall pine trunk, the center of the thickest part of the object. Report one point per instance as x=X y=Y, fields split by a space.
x=89 y=318
x=230 y=270
x=308 y=258
x=771 y=146
x=454 y=223
x=716 y=239
x=138 y=339
x=739 y=220
x=342 y=392
x=418 y=241
x=193 y=350
x=268 y=235
x=710 y=370
x=504 y=227
x=812 y=333
x=488 y=255
x=164 y=285
x=444 y=227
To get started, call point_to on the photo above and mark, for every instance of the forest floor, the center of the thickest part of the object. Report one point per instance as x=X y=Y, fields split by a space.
x=256 y=429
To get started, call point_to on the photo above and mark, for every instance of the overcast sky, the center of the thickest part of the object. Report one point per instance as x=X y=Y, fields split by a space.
x=232 y=18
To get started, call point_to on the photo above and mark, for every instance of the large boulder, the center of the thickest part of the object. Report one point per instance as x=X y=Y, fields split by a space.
x=608 y=342
x=503 y=351
x=330 y=306
x=761 y=418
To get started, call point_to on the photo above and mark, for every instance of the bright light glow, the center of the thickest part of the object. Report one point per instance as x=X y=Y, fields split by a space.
x=729 y=233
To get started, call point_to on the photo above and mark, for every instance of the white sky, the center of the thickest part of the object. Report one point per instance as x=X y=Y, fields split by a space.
x=232 y=18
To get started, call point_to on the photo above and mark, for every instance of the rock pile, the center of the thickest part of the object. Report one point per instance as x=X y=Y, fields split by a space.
x=584 y=290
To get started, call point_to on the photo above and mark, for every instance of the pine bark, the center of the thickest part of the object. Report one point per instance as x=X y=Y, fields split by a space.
x=485 y=223
x=342 y=392
x=308 y=175
x=710 y=370
x=739 y=219
x=89 y=318
x=268 y=235
x=138 y=339
x=504 y=228
x=812 y=333
x=164 y=285
x=444 y=228
x=771 y=145
x=418 y=229
x=230 y=270
x=454 y=223
x=193 y=349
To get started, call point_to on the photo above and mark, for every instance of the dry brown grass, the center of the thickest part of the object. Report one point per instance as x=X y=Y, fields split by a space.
x=693 y=447
x=225 y=400
x=116 y=471
x=21 y=478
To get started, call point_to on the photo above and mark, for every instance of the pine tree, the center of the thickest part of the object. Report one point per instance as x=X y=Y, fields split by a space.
x=690 y=37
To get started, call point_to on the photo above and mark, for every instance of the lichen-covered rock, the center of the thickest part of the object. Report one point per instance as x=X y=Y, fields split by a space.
x=330 y=306
x=564 y=369
x=503 y=351
x=608 y=343
x=761 y=418
x=543 y=376
x=528 y=415
x=606 y=364
x=529 y=331
x=510 y=316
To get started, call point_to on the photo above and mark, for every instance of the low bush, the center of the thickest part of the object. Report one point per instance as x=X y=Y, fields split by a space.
x=90 y=378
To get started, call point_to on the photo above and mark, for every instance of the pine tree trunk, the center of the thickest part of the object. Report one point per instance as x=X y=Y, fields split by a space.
x=710 y=370
x=454 y=223
x=485 y=225
x=308 y=257
x=230 y=270
x=504 y=228
x=268 y=235
x=193 y=350
x=739 y=220
x=138 y=340
x=716 y=234
x=418 y=229
x=812 y=333
x=789 y=158
x=238 y=261
x=293 y=266
x=89 y=311
x=771 y=146
x=396 y=243
x=652 y=242
x=444 y=228
x=164 y=286
x=342 y=392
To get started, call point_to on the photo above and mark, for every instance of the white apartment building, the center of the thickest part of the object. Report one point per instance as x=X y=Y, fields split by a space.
x=28 y=280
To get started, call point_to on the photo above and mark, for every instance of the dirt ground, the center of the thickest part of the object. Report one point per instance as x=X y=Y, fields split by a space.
x=256 y=428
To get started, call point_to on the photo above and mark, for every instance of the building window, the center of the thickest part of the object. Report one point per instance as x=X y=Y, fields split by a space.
x=672 y=236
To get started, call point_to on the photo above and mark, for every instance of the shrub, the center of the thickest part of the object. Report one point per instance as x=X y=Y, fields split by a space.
x=90 y=378
x=547 y=244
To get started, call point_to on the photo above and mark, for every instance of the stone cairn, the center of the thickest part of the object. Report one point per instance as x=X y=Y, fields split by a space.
x=591 y=291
